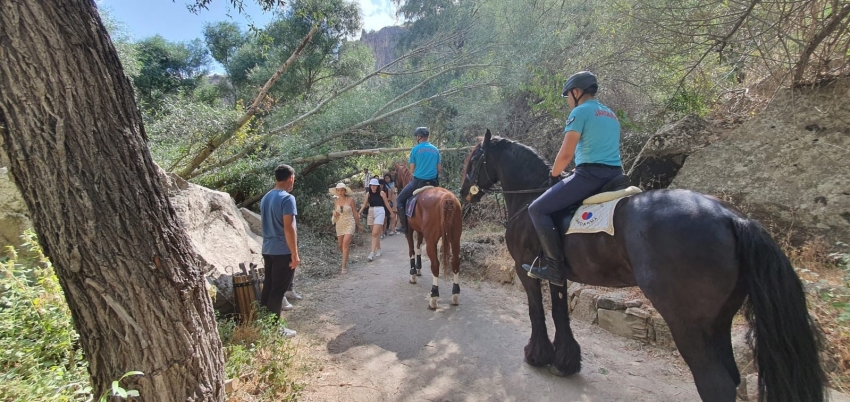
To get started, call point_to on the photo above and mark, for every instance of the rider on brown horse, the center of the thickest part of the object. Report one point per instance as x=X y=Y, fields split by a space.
x=593 y=136
x=425 y=165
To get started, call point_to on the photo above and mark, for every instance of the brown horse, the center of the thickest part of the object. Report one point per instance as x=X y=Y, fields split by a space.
x=436 y=216
x=402 y=175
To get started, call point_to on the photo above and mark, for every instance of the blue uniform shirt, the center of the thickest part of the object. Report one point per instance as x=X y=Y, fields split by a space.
x=273 y=207
x=426 y=157
x=600 y=133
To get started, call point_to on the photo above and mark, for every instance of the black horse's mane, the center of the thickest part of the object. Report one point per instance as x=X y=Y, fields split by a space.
x=533 y=165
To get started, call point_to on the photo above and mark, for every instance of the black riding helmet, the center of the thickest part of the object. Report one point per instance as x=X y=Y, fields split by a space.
x=583 y=80
x=421 y=132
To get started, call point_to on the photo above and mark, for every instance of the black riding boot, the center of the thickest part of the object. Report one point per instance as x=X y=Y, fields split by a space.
x=553 y=252
x=402 y=219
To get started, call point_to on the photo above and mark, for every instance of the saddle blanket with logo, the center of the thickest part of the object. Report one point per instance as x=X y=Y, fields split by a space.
x=594 y=218
x=411 y=202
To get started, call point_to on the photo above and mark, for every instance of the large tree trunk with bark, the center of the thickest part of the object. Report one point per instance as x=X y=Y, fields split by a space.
x=76 y=148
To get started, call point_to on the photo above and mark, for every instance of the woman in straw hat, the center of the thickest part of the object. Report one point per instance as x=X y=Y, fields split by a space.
x=343 y=218
x=376 y=200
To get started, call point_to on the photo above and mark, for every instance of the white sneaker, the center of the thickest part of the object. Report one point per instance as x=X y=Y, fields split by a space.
x=286 y=332
x=292 y=295
x=371 y=257
x=285 y=306
x=378 y=253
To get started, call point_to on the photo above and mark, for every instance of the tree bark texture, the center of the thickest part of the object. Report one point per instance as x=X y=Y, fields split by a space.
x=76 y=147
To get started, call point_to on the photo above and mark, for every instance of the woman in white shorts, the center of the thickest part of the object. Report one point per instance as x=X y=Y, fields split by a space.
x=376 y=201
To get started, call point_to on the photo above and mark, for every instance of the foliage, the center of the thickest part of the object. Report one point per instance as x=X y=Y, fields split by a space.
x=167 y=68
x=40 y=359
x=259 y=354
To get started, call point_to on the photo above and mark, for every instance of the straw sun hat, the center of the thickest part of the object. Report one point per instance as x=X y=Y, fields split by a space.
x=339 y=186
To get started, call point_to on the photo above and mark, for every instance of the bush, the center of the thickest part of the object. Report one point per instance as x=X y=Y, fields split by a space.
x=40 y=358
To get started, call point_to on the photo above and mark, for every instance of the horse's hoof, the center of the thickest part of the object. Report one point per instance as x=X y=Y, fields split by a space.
x=432 y=308
x=413 y=279
x=432 y=305
x=454 y=300
x=418 y=272
x=554 y=371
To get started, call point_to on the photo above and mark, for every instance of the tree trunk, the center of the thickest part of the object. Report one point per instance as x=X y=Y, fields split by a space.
x=76 y=147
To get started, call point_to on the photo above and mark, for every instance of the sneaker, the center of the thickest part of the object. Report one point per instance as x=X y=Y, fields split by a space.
x=382 y=237
x=285 y=306
x=392 y=233
x=378 y=253
x=288 y=333
x=292 y=295
x=371 y=257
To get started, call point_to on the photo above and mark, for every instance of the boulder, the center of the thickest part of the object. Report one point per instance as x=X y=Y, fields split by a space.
x=218 y=232
x=612 y=301
x=253 y=220
x=627 y=325
x=788 y=165
x=584 y=308
x=14 y=215
x=665 y=152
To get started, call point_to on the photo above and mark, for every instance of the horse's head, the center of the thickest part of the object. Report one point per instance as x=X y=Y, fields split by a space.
x=478 y=172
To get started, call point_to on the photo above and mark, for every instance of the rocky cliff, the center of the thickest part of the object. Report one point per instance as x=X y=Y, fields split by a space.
x=382 y=43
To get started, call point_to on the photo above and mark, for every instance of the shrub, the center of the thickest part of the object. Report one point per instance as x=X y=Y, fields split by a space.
x=40 y=358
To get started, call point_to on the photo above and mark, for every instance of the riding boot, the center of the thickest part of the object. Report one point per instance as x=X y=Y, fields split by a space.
x=553 y=256
x=402 y=219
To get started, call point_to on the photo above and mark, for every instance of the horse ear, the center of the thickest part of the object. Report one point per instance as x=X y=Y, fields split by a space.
x=487 y=138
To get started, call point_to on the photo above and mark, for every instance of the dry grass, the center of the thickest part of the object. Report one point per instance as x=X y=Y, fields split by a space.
x=262 y=364
x=828 y=292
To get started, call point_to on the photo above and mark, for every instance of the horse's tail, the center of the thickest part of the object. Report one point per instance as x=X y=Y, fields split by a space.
x=784 y=338
x=448 y=211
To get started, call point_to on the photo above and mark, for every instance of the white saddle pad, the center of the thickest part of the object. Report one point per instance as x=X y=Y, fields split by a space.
x=594 y=218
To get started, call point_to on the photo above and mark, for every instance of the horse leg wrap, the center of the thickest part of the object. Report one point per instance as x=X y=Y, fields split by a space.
x=412 y=266
x=455 y=289
x=435 y=291
x=419 y=262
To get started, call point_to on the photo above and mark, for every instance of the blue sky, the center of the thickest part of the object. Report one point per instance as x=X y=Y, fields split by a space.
x=172 y=20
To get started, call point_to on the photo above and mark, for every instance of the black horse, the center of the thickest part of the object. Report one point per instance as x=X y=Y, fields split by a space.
x=694 y=256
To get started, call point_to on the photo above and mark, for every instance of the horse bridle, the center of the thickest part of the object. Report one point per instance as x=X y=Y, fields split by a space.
x=475 y=189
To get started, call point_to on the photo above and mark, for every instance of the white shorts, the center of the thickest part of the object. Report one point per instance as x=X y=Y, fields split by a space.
x=376 y=216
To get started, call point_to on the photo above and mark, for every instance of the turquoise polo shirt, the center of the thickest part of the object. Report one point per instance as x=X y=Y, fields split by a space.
x=426 y=157
x=600 y=133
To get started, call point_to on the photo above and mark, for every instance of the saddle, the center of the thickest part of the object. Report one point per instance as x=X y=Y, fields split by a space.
x=617 y=187
x=411 y=202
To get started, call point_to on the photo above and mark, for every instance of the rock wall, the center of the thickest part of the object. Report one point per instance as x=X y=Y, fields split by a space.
x=789 y=166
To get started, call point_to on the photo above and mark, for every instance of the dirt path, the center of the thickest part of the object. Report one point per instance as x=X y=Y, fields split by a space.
x=374 y=339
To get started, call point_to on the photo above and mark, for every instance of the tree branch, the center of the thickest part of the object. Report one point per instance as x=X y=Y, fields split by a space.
x=215 y=143
x=816 y=41
x=318 y=160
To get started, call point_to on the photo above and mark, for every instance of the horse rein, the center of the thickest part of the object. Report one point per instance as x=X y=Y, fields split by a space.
x=475 y=189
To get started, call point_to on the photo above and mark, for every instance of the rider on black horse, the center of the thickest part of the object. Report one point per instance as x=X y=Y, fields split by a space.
x=593 y=137
x=425 y=165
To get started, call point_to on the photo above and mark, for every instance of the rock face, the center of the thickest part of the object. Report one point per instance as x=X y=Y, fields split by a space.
x=788 y=166
x=14 y=216
x=219 y=234
x=666 y=151
x=382 y=43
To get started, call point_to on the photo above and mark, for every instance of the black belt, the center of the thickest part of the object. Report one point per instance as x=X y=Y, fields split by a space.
x=602 y=165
